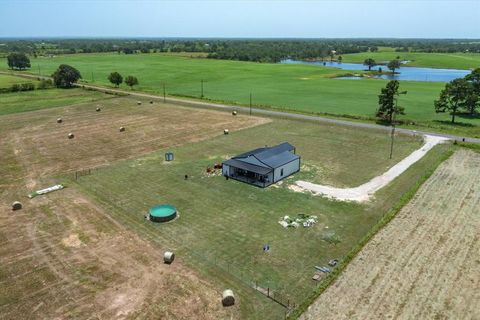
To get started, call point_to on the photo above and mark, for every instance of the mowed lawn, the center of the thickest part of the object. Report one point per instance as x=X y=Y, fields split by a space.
x=42 y=99
x=7 y=81
x=456 y=60
x=226 y=223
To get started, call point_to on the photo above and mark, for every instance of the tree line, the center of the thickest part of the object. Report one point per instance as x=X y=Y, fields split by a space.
x=460 y=96
x=260 y=50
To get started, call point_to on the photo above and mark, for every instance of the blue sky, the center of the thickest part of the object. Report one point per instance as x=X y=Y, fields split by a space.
x=304 y=19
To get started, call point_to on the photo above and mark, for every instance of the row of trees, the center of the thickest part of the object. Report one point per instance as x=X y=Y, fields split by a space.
x=65 y=76
x=459 y=96
x=117 y=79
x=392 y=65
x=223 y=47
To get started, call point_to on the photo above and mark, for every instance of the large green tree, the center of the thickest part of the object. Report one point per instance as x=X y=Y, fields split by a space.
x=393 y=65
x=454 y=97
x=131 y=81
x=387 y=102
x=474 y=79
x=115 y=78
x=65 y=76
x=369 y=63
x=18 y=61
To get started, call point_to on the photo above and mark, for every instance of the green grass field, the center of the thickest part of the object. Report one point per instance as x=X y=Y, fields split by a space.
x=298 y=88
x=420 y=59
x=226 y=223
x=7 y=81
x=41 y=99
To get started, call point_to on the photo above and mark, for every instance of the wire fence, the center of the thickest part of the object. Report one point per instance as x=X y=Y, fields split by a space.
x=285 y=295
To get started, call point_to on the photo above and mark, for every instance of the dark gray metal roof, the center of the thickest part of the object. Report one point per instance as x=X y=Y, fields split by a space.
x=247 y=166
x=266 y=152
x=278 y=160
x=267 y=158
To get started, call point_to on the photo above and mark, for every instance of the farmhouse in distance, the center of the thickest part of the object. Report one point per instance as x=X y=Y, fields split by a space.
x=263 y=166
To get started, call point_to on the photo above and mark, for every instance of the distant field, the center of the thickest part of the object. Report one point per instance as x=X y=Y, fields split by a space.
x=298 y=88
x=43 y=99
x=420 y=59
x=7 y=80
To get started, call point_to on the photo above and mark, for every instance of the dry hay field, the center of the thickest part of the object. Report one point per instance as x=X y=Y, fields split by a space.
x=425 y=264
x=64 y=257
x=43 y=147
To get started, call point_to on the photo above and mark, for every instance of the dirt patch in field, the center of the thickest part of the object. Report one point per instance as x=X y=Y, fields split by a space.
x=425 y=264
x=64 y=257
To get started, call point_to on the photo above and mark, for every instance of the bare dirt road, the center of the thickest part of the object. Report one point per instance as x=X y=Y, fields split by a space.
x=425 y=264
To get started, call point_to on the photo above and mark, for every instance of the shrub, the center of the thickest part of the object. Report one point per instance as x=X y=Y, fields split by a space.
x=44 y=84
x=28 y=86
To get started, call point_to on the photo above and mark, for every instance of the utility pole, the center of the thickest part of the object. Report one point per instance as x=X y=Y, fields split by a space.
x=393 y=122
x=201 y=96
x=393 y=131
x=164 y=94
x=250 y=104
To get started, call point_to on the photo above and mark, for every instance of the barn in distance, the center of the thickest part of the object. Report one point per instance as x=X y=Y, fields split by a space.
x=263 y=166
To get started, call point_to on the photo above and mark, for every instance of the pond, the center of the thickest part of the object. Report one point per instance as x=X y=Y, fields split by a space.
x=404 y=73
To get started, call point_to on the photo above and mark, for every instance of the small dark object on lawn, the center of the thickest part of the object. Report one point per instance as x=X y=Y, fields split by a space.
x=59 y=120
x=98 y=109
x=71 y=136
x=333 y=262
x=122 y=129
x=234 y=113
x=463 y=139
x=139 y=102
x=209 y=169
x=225 y=131
x=186 y=177
x=151 y=101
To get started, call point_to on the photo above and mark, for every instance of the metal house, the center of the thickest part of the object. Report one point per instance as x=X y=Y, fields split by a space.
x=263 y=166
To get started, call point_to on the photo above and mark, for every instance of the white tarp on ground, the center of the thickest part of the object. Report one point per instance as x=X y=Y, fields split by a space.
x=47 y=190
x=365 y=191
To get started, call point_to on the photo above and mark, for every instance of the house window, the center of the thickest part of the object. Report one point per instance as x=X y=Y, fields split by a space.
x=281 y=172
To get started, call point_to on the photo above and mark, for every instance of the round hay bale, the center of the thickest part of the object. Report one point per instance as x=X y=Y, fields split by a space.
x=228 y=299
x=16 y=206
x=234 y=112
x=225 y=131
x=139 y=102
x=168 y=257
x=59 y=120
x=98 y=109
x=71 y=136
x=122 y=129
